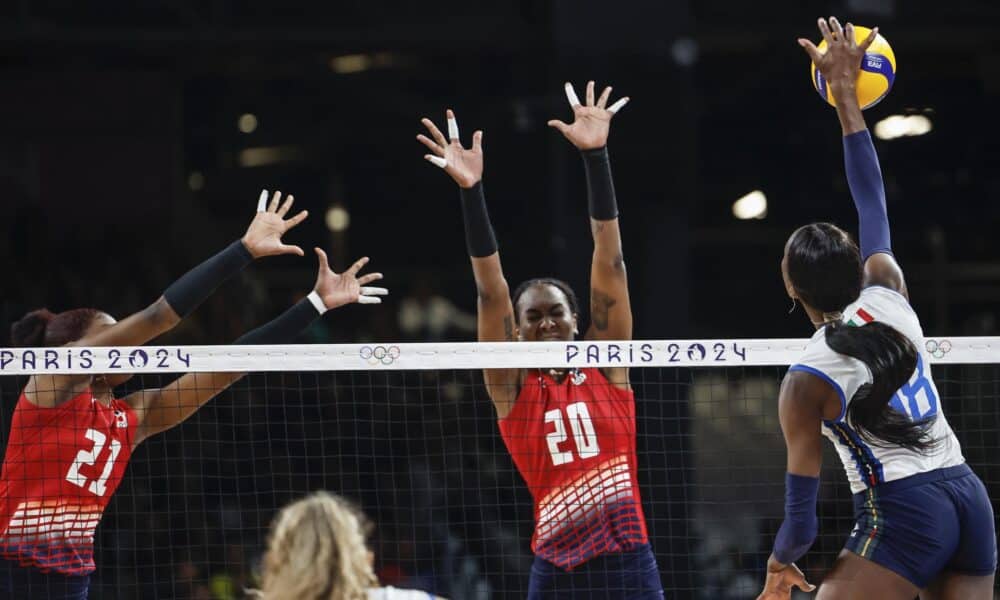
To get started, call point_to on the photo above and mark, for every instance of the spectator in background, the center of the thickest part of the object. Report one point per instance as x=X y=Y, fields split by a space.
x=426 y=316
x=316 y=551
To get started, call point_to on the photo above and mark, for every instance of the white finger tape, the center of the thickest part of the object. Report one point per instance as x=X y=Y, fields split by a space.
x=571 y=95
x=374 y=291
x=369 y=300
x=438 y=161
x=262 y=201
x=452 y=128
x=617 y=106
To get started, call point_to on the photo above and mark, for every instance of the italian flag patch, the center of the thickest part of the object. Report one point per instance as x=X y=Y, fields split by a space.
x=860 y=318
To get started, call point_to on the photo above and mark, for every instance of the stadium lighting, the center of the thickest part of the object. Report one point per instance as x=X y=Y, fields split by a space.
x=337 y=218
x=196 y=181
x=751 y=206
x=897 y=126
x=247 y=123
x=269 y=155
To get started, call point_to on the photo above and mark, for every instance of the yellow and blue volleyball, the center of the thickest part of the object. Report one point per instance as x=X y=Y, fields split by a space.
x=878 y=71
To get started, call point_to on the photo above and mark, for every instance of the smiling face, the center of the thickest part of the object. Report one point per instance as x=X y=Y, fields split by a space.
x=544 y=314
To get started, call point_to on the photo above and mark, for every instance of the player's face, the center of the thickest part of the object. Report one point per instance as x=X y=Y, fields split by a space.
x=545 y=315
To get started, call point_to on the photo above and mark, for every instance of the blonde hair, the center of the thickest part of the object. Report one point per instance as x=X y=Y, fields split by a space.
x=316 y=551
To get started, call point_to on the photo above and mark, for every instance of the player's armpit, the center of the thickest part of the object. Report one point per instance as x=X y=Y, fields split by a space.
x=881 y=269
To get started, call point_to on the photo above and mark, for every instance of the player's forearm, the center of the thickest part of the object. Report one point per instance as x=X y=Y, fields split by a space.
x=491 y=285
x=864 y=177
x=480 y=240
x=848 y=109
x=601 y=201
x=284 y=328
x=799 y=529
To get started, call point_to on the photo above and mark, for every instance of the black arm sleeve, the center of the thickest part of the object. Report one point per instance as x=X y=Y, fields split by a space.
x=185 y=294
x=600 y=187
x=479 y=237
x=284 y=328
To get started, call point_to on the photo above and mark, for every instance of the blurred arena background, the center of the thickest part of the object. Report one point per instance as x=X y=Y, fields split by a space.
x=135 y=137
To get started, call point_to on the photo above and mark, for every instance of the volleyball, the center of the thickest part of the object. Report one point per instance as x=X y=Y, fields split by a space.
x=878 y=71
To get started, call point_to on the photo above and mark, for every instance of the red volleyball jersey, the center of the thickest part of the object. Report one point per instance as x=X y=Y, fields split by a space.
x=574 y=444
x=61 y=467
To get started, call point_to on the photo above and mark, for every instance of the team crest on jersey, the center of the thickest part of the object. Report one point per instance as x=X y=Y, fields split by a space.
x=121 y=419
x=579 y=377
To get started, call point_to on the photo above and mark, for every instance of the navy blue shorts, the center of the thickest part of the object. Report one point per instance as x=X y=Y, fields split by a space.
x=26 y=582
x=631 y=575
x=925 y=524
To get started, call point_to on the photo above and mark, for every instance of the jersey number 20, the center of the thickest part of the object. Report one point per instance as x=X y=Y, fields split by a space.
x=583 y=433
x=88 y=457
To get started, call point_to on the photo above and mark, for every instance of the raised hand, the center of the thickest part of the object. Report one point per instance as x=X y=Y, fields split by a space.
x=778 y=585
x=841 y=63
x=263 y=237
x=464 y=165
x=337 y=290
x=592 y=122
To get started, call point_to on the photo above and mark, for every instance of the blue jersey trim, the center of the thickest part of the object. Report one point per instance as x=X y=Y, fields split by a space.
x=868 y=466
x=828 y=379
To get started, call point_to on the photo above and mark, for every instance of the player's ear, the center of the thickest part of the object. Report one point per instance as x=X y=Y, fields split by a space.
x=576 y=326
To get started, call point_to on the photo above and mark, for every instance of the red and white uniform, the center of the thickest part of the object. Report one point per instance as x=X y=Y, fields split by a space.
x=574 y=445
x=61 y=468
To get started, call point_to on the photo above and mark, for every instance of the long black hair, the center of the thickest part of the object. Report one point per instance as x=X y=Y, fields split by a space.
x=825 y=268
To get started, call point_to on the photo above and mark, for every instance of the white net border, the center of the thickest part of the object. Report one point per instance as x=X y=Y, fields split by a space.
x=448 y=356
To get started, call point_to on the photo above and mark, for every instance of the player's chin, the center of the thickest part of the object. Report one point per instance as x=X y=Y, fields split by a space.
x=116 y=379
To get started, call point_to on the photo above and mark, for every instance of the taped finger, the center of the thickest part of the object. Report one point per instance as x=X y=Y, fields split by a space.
x=617 y=106
x=452 y=127
x=369 y=300
x=437 y=161
x=374 y=291
x=571 y=95
x=262 y=201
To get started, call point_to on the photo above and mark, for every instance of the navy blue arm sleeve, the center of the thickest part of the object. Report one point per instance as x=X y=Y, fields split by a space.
x=864 y=177
x=798 y=531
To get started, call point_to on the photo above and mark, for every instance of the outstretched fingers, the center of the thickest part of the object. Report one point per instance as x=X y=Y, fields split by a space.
x=617 y=106
x=824 y=28
x=431 y=145
x=556 y=123
x=811 y=50
x=357 y=266
x=368 y=278
x=262 y=201
x=590 y=93
x=452 y=126
x=477 y=141
x=602 y=102
x=574 y=101
x=868 y=40
x=296 y=219
x=275 y=199
x=435 y=132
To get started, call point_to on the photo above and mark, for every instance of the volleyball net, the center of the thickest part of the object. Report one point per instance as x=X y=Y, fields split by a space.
x=408 y=432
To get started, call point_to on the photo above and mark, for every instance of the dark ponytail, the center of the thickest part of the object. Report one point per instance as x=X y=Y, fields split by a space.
x=43 y=328
x=892 y=359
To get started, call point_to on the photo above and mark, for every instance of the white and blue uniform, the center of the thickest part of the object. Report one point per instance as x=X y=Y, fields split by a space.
x=946 y=523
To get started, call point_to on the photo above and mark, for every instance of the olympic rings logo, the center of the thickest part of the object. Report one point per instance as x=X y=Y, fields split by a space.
x=938 y=349
x=380 y=354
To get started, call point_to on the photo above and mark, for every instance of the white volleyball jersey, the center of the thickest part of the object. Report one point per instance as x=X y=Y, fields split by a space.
x=869 y=464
